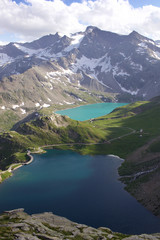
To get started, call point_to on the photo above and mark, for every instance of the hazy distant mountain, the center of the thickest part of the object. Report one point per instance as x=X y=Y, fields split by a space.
x=94 y=60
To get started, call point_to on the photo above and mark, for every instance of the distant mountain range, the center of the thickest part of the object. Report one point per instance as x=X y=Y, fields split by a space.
x=59 y=69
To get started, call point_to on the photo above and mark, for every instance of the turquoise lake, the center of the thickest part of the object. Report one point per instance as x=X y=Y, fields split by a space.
x=84 y=189
x=86 y=112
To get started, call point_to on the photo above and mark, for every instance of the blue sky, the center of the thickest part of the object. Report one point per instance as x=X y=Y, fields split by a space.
x=26 y=20
x=140 y=3
x=134 y=3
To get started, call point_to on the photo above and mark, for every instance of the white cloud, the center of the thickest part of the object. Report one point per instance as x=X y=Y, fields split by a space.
x=42 y=17
x=3 y=43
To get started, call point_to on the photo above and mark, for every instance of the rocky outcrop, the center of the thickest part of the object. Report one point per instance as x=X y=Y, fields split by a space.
x=17 y=224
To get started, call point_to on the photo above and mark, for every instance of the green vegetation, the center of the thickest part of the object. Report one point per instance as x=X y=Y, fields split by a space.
x=7 y=119
x=21 y=157
x=5 y=175
x=131 y=132
x=116 y=133
x=16 y=165
x=120 y=147
x=130 y=168
x=154 y=147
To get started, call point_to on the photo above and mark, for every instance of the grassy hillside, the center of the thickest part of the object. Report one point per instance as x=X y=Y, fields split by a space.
x=45 y=130
x=131 y=132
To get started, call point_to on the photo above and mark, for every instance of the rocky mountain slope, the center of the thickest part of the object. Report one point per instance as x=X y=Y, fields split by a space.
x=59 y=69
x=17 y=224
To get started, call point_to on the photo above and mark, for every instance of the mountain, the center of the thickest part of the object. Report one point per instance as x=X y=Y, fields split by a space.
x=59 y=69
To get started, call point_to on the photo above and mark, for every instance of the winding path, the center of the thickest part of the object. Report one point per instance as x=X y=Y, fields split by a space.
x=11 y=167
x=136 y=175
x=94 y=143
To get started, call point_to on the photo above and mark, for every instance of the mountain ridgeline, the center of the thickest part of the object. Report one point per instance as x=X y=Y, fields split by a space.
x=78 y=68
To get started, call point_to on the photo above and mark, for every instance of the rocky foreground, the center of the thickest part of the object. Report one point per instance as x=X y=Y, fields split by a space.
x=17 y=224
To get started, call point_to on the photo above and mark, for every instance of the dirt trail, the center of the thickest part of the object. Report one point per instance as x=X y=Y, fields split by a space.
x=95 y=143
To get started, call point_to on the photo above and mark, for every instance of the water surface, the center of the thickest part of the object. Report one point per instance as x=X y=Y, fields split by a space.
x=84 y=189
x=86 y=112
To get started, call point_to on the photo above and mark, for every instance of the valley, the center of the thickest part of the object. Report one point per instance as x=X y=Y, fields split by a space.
x=117 y=133
x=57 y=72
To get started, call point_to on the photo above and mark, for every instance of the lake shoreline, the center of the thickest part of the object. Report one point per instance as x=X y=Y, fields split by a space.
x=84 y=111
x=11 y=168
x=41 y=151
x=72 y=172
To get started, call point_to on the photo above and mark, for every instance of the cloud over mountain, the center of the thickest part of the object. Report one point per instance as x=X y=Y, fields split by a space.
x=40 y=17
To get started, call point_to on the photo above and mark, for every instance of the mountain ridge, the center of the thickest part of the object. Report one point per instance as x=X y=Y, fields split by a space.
x=125 y=66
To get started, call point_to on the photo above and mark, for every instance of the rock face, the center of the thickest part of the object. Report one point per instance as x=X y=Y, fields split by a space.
x=94 y=60
x=17 y=224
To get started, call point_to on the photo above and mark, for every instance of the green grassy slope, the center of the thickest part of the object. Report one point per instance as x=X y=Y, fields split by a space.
x=44 y=130
x=113 y=128
x=117 y=133
x=127 y=119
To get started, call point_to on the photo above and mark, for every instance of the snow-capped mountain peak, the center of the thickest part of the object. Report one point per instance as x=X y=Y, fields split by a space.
x=95 y=59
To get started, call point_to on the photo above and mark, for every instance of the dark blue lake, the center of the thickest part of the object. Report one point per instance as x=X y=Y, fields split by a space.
x=84 y=189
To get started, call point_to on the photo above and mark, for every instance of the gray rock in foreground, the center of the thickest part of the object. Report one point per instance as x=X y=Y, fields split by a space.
x=18 y=225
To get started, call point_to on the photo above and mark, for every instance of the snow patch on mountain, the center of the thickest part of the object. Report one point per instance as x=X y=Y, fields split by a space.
x=119 y=72
x=37 y=104
x=105 y=63
x=156 y=55
x=45 y=54
x=88 y=65
x=135 y=66
x=55 y=77
x=141 y=50
x=45 y=105
x=143 y=45
x=15 y=106
x=76 y=40
x=22 y=104
x=63 y=72
x=28 y=51
x=23 y=111
x=150 y=41
x=68 y=102
x=39 y=53
x=122 y=54
x=84 y=63
x=134 y=92
x=5 y=59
